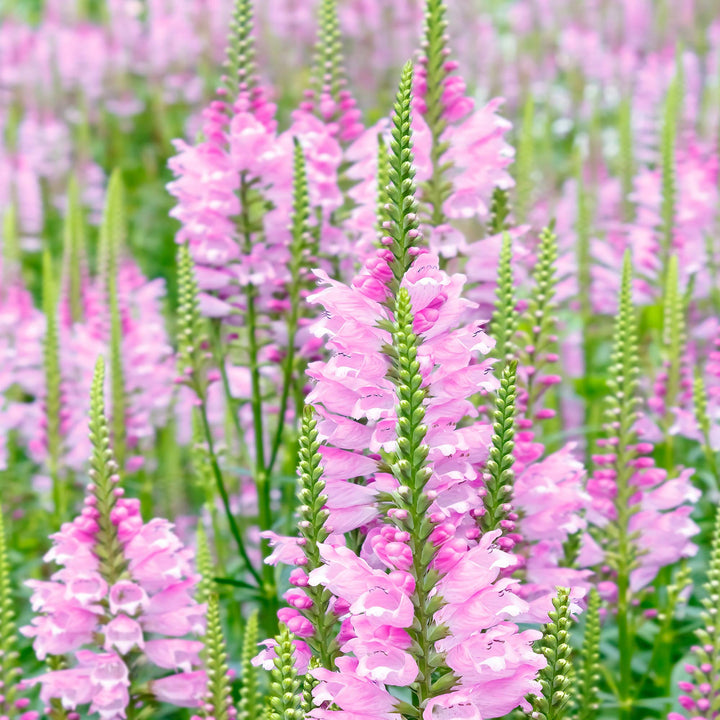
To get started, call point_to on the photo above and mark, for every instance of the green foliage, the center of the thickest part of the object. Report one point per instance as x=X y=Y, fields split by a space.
x=505 y=318
x=402 y=224
x=499 y=473
x=249 y=707
x=285 y=697
x=53 y=397
x=240 y=62
x=586 y=696
x=555 y=678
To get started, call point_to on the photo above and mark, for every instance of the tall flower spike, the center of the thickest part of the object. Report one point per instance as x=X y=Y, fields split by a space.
x=11 y=706
x=412 y=473
x=249 y=707
x=525 y=163
x=673 y=338
x=193 y=354
x=103 y=471
x=499 y=474
x=700 y=406
x=284 y=698
x=120 y=580
x=53 y=395
x=667 y=150
x=74 y=245
x=639 y=532
x=435 y=67
x=402 y=224
x=584 y=261
x=383 y=178
x=192 y=336
x=8 y=655
x=555 y=677
x=329 y=97
x=10 y=246
x=620 y=417
x=499 y=211
x=300 y=245
x=218 y=703
x=112 y=239
x=539 y=339
x=586 y=697
x=204 y=564
x=312 y=528
x=505 y=318
x=626 y=160
x=701 y=692
x=309 y=684
x=240 y=62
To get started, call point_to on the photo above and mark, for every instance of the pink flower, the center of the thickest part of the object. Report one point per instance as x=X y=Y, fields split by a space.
x=185 y=689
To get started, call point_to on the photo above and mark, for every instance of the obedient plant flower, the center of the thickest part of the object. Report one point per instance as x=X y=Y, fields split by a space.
x=124 y=587
x=461 y=153
x=21 y=331
x=217 y=704
x=234 y=187
x=628 y=491
x=642 y=517
x=329 y=98
x=537 y=499
x=117 y=314
x=421 y=543
x=555 y=678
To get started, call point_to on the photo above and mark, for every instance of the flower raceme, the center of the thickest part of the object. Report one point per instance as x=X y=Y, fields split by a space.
x=396 y=386
x=124 y=587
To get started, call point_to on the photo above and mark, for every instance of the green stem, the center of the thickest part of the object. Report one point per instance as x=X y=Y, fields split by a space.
x=287 y=383
x=234 y=529
x=624 y=646
x=231 y=401
x=262 y=479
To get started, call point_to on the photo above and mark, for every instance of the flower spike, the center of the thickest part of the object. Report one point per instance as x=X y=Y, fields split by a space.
x=401 y=228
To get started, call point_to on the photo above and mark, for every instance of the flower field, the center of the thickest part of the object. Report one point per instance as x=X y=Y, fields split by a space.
x=359 y=359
